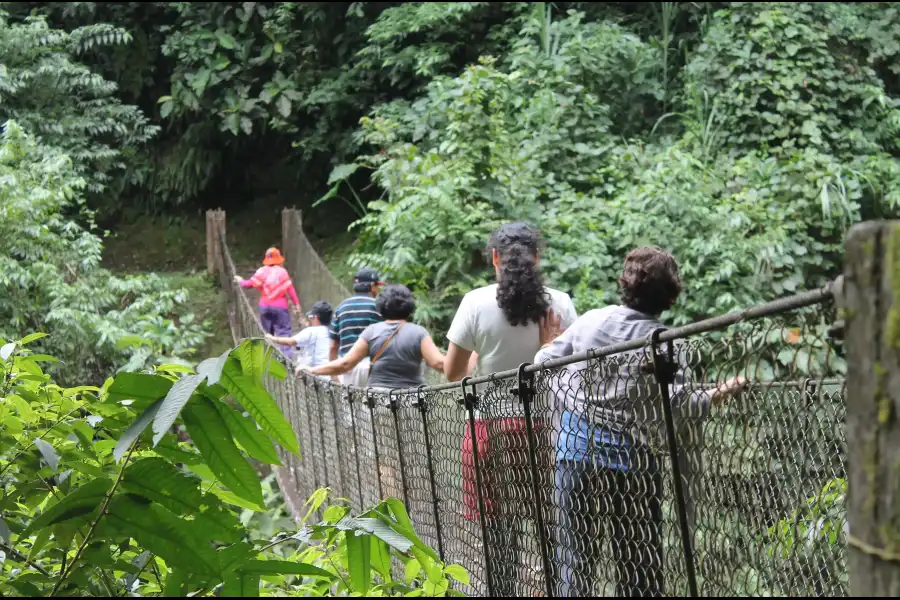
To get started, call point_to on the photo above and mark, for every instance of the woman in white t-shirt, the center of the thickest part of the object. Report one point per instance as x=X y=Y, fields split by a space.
x=497 y=328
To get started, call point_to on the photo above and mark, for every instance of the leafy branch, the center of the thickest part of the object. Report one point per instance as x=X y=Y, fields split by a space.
x=87 y=538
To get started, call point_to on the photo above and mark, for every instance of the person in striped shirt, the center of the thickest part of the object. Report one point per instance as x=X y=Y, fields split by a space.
x=351 y=318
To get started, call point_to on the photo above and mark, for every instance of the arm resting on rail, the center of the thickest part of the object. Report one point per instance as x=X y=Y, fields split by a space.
x=284 y=341
x=432 y=356
x=345 y=363
x=457 y=362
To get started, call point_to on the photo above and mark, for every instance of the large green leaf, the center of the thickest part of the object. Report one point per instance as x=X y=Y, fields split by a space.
x=143 y=389
x=358 y=563
x=175 y=582
x=158 y=481
x=135 y=430
x=241 y=585
x=170 y=449
x=26 y=588
x=32 y=338
x=51 y=456
x=235 y=500
x=260 y=404
x=275 y=368
x=83 y=501
x=231 y=557
x=402 y=524
x=259 y=359
x=177 y=397
x=282 y=567
x=252 y=356
x=255 y=442
x=40 y=542
x=458 y=573
x=341 y=172
x=211 y=436
x=225 y=39
x=384 y=532
x=176 y=540
x=381 y=558
x=211 y=368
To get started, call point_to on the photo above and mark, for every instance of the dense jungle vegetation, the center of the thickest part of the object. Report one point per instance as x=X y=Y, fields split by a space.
x=744 y=137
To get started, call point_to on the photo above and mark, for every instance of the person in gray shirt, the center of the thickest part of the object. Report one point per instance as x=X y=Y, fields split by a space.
x=396 y=347
x=610 y=411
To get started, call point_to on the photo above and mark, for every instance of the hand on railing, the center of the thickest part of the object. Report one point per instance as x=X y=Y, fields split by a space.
x=729 y=389
x=238 y=279
x=298 y=313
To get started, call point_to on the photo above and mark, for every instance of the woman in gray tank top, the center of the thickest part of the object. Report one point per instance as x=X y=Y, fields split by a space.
x=395 y=346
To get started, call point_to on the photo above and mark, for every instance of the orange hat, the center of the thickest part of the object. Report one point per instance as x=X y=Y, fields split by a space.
x=273 y=257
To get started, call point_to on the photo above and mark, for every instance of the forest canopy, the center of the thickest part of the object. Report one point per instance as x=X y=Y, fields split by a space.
x=744 y=137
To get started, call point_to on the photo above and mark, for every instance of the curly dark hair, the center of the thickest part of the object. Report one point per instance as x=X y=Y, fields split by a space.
x=520 y=291
x=395 y=302
x=651 y=281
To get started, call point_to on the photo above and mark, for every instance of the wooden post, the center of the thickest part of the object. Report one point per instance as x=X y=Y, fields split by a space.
x=211 y=242
x=220 y=257
x=870 y=302
x=291 y=218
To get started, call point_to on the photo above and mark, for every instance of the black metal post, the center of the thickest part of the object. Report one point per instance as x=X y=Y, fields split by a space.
x=392 y=401
x=809 y=392
x=310 y=407
x=526 y=394
x=664 y=369
x=423 y=409
x=370 y=401
x=324 y=456
x=356 y=455
x=286 y=401
x=471 y=404
x=337 y=436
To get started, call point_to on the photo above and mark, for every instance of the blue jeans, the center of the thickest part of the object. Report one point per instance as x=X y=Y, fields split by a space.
x=627 y=505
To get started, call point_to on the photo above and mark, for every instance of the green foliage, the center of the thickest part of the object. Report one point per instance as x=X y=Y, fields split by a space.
x=50 y=274
x=488 y=146
x=69 y=106
x=88 y=509
x=779 y=141
x=793 y=81
x=815 y=537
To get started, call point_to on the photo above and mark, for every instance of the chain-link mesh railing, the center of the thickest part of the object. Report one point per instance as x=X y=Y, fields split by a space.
x=309 y=273
x=625 y=470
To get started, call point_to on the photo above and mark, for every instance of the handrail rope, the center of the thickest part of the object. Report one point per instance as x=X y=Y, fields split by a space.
x=781 y=305
x=298 y=228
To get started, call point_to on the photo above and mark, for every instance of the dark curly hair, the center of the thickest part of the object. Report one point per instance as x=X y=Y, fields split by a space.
x=651 y=281
x=520 y=291
x=395 y=302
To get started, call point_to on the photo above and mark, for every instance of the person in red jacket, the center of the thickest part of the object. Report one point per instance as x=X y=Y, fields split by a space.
x=276 y=289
